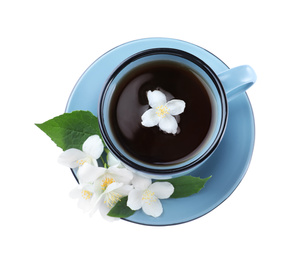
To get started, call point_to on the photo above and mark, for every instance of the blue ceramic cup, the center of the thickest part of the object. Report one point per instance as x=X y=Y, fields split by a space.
x=221 y=88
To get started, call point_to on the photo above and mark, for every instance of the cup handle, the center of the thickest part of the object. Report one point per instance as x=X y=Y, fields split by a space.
x=237 y=80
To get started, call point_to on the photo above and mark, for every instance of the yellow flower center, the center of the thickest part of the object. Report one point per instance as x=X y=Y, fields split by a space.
x=148 y=196
x=86 y=194
x=81 y=162
x=106 y=182
x=111 y=199
x=162 y=111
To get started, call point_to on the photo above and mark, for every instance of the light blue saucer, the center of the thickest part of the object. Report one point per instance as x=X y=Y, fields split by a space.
x=227 y=165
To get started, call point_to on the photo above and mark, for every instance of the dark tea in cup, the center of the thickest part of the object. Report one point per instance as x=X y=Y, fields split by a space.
x=149 y=144
x=178 y=76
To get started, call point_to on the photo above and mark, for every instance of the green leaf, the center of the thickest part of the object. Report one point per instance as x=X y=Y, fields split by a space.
x=70 y=130
x=187 y=185
x=121 y=210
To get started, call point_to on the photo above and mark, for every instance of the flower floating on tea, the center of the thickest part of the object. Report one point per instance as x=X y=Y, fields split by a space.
x=146 y=195
x=162 y=112
x=92 y=149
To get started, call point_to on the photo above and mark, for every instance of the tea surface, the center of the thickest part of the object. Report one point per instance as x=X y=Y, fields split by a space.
x=150 y=144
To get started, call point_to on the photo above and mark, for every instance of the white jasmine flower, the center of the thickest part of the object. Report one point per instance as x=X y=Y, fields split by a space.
x=92 y=149
x=109 y=197
x=162 y=112
x=109 y=186
x=84 y=195
x=146 y=195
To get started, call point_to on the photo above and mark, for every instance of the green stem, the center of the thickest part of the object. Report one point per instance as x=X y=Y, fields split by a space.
x=105 y=165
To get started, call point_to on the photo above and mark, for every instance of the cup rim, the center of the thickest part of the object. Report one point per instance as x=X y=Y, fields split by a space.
x=175 y=52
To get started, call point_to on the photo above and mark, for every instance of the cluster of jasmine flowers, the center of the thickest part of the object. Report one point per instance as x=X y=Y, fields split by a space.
x=100 y=188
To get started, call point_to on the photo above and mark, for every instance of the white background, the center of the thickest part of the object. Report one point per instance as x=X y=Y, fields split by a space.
x=46 y=46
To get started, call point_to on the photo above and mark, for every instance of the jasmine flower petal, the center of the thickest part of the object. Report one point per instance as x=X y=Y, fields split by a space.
x=135 y=199
x=168 y=124
x=141 y=183
x=162 y=190
x=93 y=146
x=150 y=118
x=153 y=208
x=84 y=204
x=89 y=173
x=124 y=190
x=112 y=161
x=72 y=158
x=156 y=98
x=176 y=106
x=120 y=174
